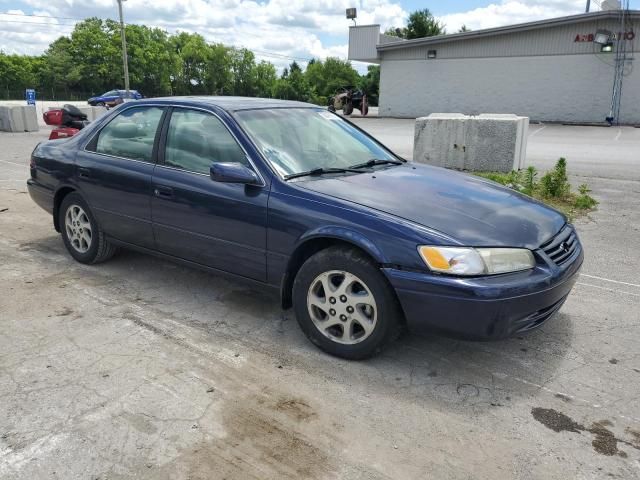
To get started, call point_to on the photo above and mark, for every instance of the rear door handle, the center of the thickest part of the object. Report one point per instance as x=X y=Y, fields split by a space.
x=162 y=191
x=84 y=172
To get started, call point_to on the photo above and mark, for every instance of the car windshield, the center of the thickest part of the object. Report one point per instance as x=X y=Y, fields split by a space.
x=110 y=93
x=296 y=140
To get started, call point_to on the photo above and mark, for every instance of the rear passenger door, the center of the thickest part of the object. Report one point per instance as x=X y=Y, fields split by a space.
x=220 y=225
x=114 y=172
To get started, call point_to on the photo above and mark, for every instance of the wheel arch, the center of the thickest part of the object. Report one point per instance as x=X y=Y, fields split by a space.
x=57 y=201
x=319 y=240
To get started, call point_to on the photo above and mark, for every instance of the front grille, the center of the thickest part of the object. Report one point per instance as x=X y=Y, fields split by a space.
x=560 y=248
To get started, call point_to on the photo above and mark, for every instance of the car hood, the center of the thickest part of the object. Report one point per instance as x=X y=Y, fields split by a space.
x=471 y=210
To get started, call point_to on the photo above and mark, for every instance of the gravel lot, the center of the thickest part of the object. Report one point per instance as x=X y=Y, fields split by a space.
x=142 y=368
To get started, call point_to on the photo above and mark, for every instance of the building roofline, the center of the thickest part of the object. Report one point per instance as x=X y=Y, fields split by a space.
x=519 y=27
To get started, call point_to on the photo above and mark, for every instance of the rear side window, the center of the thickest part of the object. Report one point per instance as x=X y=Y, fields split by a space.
x=197 y=139
x=131 y=134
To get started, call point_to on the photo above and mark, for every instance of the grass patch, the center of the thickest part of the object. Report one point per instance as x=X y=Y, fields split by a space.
x=552 y=188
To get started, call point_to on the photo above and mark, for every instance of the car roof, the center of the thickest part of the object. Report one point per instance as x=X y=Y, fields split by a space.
x=231 y=104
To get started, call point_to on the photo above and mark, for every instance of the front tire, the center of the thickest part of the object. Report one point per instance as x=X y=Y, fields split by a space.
x=82 y=236
x=344 y=304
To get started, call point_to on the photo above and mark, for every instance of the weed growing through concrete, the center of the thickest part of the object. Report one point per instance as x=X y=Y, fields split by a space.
x=553 y=188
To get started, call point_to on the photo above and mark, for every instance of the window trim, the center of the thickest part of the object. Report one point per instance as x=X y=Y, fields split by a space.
x=162 y=144
x=154 y=151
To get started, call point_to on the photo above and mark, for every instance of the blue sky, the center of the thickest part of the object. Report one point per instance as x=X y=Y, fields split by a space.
x=276 y=30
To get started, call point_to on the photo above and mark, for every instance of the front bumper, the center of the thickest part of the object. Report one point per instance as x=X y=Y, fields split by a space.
x=485 y=308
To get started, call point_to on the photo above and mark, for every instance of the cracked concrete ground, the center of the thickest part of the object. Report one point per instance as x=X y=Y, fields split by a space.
x=142 y=368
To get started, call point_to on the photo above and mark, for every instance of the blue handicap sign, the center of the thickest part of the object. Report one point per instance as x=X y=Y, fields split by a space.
x=30 y=95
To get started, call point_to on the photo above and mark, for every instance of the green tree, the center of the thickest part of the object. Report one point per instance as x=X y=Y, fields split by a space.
x=329 y=76
x=192 y=52
x=58 y=63
x=18 y=72
x=242 y=72
x=421 y=24
x=370 y=83
x=219 y=78
x=292 y=85
x=463 y=29
x=265 y=76
x=97 y=62
x=151 y=59
x=89 y=61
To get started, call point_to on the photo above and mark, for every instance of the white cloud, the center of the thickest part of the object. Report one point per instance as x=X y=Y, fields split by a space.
x=509 y=12
x=275 y=28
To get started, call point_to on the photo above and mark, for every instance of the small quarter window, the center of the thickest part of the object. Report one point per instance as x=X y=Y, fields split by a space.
x=197 y=139
x=131 y=134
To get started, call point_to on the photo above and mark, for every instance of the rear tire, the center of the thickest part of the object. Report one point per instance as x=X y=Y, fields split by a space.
x=348 y=108
x=344 y=304
x=81 y=234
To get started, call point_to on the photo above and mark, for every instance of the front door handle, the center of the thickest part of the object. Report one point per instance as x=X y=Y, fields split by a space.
x=162 y=191
x=84 y=172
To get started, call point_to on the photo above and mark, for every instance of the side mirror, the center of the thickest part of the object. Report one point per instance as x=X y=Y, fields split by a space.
x=233 y=173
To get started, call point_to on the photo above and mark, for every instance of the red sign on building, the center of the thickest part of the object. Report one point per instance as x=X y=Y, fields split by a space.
x=588 y=37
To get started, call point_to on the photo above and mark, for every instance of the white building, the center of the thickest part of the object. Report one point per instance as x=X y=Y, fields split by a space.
x=549 y=70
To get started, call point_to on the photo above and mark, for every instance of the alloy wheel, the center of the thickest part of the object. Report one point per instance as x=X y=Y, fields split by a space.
x=78 y=228
x=342 y=307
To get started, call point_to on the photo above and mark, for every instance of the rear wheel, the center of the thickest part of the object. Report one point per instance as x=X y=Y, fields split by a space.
x=81 y=234
x=347 y=109
x=344 y=304
x=100 y=104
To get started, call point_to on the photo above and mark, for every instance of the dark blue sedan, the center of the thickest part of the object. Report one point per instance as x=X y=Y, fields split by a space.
x=292 y=197
x=113 y=97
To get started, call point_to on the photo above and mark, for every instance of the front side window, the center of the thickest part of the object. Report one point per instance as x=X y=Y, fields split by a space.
x=197 y=139
x=131 y=134
x=296 y=140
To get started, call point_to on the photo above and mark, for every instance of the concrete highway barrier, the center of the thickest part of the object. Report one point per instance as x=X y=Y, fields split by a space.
x=18 y=118
x=487 y=142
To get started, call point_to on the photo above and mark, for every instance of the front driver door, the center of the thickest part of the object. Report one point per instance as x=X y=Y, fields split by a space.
x=220 y=225
x=114 y=174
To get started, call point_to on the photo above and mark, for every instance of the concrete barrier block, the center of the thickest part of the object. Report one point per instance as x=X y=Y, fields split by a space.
x=5 y=119
x=12 y=119
x=17 y=119
x=30 y=118
x=97 y=112
x=487 y=142
x=438 y=140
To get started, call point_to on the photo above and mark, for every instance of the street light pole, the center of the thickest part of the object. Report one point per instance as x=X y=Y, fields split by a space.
x=125 y=62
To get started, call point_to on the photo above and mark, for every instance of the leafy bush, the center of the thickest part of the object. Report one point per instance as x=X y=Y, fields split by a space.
x=529 y=183
x=555 y=183
x=553 y=187
x=584 y=200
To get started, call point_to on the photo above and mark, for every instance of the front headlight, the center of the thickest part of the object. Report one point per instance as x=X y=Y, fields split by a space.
x=476 y=261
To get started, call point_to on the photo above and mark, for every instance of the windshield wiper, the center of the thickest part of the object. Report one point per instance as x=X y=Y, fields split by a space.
x=321 y=171
x=374 y=161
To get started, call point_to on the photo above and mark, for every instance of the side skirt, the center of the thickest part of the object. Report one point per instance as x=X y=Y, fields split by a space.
x=232 y=276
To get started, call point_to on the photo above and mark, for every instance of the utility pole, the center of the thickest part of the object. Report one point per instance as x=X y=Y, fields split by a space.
x=588 y=6
x=125 y=62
